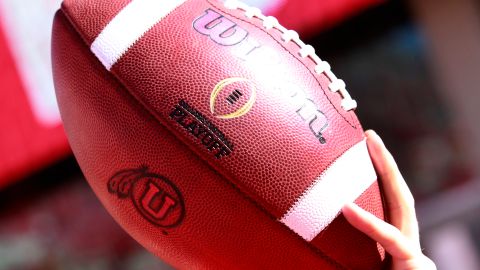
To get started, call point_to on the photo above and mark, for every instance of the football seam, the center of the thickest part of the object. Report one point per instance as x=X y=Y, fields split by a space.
x=158 y=118
x=350 y=122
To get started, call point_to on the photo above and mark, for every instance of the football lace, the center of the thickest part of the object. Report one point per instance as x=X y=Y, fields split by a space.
x=269 y=22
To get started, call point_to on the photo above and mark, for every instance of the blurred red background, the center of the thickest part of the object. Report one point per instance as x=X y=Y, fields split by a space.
x=411 y=65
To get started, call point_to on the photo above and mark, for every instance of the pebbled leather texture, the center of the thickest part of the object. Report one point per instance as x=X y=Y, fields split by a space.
x=225 y=210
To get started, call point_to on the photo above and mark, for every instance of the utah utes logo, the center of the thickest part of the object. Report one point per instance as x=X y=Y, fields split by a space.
x=156 y=198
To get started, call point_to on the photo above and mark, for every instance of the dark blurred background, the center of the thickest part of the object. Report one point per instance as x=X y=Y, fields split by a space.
x=413 y=66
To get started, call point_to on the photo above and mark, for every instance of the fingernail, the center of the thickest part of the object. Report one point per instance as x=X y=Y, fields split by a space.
x=375 y=137
x=370 y=133
x=350 y=205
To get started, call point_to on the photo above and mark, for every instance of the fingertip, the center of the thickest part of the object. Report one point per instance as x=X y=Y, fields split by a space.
x=373 y=144
x=349 y=206
x=374 y=138
x=350 y=210
x=377 y=150
x=370 y=133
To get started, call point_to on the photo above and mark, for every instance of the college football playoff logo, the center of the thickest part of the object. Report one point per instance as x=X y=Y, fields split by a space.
x=237 y=96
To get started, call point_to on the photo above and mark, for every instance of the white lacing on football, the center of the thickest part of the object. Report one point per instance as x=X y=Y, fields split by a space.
x=269 y=22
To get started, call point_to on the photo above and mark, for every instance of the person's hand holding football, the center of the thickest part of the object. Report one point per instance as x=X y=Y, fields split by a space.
x=400 y=238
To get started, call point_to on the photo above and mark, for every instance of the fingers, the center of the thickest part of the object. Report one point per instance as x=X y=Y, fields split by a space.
x=401 y=239
x=394 y=242
x=406 y=253
x=386 y=166
x=400 y=202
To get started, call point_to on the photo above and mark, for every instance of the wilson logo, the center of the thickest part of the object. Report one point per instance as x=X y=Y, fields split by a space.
x=307 y=110
x=262 y=59
x=156 y=198
x=219 y=29
x=227 y=33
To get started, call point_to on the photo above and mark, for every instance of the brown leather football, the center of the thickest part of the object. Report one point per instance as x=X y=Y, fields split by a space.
x=213 y=135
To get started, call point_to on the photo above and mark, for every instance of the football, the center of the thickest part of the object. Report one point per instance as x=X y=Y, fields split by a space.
x=213 y=135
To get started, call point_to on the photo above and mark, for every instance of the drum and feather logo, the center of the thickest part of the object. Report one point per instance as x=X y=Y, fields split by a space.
x=155 y=197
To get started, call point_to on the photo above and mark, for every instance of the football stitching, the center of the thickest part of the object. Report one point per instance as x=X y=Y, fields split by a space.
x=353 y=125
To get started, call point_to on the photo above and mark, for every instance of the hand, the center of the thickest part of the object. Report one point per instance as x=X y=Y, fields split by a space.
x=400 y=238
